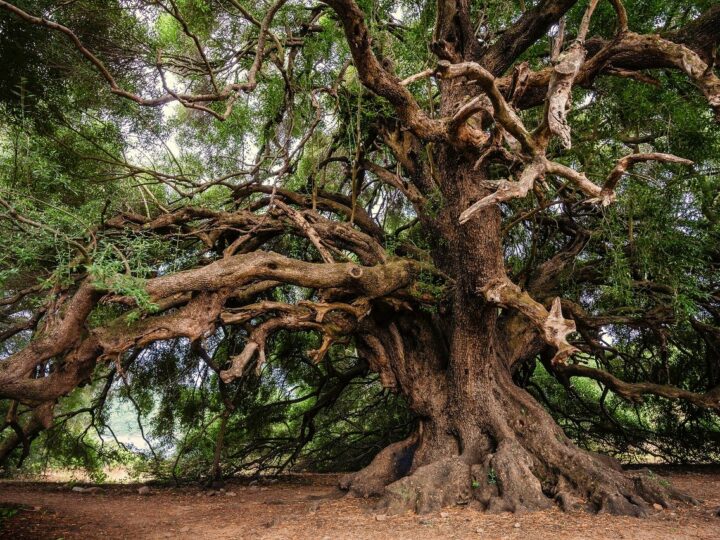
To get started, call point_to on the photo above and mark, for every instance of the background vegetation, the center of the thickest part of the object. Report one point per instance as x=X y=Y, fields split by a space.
x=72 y=155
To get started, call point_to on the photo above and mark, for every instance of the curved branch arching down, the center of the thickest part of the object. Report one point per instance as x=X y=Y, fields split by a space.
x=361 y=205
x=226 y=94
x=203 y=291
x=635 y=391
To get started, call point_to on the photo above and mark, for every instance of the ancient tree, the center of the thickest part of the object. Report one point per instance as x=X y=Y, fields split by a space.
x=417 y=184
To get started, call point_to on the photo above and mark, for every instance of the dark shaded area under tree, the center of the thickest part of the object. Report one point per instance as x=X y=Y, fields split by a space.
x=460 y=248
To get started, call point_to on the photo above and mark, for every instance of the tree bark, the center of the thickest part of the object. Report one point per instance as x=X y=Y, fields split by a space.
x=481 y=439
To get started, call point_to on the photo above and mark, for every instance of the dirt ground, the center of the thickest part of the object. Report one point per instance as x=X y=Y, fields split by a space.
x=312 y=507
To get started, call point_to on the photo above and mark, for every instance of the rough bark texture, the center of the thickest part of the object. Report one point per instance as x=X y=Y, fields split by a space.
x=481 y=439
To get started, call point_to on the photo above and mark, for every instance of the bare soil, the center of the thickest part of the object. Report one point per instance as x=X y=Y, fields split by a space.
x=310 y=506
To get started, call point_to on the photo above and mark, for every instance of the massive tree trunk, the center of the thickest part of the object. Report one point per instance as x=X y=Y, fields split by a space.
x=481 y=439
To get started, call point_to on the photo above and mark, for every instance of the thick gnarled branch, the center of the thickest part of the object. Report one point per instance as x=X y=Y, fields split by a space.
x=551 y=325
x=503 y=113
x=376 y=78
x=566 y=68
x=66 y=339
x=332 y=320
x=507 y=190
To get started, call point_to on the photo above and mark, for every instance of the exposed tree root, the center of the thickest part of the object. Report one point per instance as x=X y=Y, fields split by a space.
x=391 y=463
x=511 y=480
x=441 y=483
x=509 y=472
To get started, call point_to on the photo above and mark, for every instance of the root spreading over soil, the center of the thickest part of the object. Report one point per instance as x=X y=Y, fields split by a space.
x=312 y=507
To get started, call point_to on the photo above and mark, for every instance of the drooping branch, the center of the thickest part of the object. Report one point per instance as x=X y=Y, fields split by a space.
x=226 y=94
x=607 y=194
x=635 y=391
x=638 y=51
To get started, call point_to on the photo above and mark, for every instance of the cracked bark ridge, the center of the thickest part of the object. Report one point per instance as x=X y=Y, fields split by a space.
x=480 y=439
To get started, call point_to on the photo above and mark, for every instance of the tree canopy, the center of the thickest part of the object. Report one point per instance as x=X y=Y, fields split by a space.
x=291 y=234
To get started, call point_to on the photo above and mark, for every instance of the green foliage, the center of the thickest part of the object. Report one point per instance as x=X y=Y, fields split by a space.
x=277 y=421
x=6 y=512
x=429 y=289
x=123 y=272
x=603 y=422
x=72 y=156
x=492 y=476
